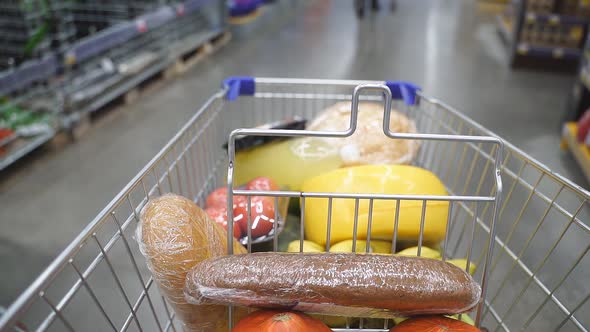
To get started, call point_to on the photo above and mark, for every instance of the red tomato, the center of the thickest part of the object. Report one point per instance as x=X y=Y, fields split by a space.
x=219 y=215
x=280 y=321
x=217 y=198
x=262 y=183
x=434 y=324
x=262 y=216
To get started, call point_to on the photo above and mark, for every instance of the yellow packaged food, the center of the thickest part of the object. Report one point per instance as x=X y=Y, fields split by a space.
x=288 y=162
x=375 y=179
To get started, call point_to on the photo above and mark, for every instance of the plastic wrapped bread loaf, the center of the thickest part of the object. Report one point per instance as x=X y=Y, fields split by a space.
x=175 y=235
x=368 y=144
x=356 y=285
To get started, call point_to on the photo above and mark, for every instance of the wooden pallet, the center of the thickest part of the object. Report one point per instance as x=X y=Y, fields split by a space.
x=184 y=62
x=147 y=86
x=245 y=19
x=189 y=59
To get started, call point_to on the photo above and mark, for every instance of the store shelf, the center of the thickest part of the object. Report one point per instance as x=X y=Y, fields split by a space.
x=114 y=37
x=505 y=28
x=100 y=42
x=27 y=73
x=116 y=91
x=518 y=27
x=584 y=77
x=188 y=43
x=548 y=52
x=122 y=32
x=580 y=152
x=554 y=19
x=189 y=7
x=156 y=18
x=22 y=146
x=7 y=140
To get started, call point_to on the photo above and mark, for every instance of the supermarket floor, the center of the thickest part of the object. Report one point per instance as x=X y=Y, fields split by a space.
x=450 y=48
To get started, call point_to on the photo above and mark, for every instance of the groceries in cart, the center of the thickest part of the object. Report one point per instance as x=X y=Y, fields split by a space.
x=175 y=235
x=377 y=247
x=280 y=320
x=434 y=324
x=291 y=162
x=186 y=254
x=375 y=179
x=341 y=284
x=344 y=268
x=368 y=144
x=186 y=250
x=259 y=218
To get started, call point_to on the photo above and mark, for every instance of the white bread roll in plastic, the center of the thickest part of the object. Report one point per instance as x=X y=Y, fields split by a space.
x=175 y=235
x=368 y=144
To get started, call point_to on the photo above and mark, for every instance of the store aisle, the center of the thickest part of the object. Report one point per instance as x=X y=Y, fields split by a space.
x=442 y=46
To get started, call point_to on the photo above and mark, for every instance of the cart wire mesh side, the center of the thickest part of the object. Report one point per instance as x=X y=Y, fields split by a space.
x=536 y=275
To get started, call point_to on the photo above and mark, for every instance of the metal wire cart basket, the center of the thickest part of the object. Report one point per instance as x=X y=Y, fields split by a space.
x=524 y=227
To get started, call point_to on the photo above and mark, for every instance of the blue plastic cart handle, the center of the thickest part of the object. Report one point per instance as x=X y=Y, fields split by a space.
x=239 y=86
x=245 y=86
x=403 y=90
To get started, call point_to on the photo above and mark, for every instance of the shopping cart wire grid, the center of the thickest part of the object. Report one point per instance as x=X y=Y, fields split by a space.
x=191 y=165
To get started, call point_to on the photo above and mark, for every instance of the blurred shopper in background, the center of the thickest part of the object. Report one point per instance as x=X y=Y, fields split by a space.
x=360 y=5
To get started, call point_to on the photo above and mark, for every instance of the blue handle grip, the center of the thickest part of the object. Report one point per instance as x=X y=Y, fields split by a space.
x=403 y=90
x=239 y=86
x=245 y=86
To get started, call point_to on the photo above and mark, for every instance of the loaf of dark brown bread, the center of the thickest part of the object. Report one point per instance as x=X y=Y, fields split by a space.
x=347 y=284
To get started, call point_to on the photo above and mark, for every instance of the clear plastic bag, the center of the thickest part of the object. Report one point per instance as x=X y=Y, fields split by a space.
x=368 y=144
x=174 y=235
x=354 y=285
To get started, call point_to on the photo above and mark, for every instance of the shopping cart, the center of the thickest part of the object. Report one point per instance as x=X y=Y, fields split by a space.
x=536 y=278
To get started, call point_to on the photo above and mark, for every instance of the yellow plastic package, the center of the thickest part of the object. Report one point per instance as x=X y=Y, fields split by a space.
x=288 y=162
x=375 y=179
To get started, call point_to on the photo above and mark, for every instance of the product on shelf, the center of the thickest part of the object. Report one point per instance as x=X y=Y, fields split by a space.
x=368 y=144
x=137 y=63
x=433 y=324
x=577 y=8
x=5 y=133
x=6 y=136
x=22 y=120
x=550 y=35
x=540 y=6
x=174 y=235
x=375 y=179
x=280 y=321
x=358 y=285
